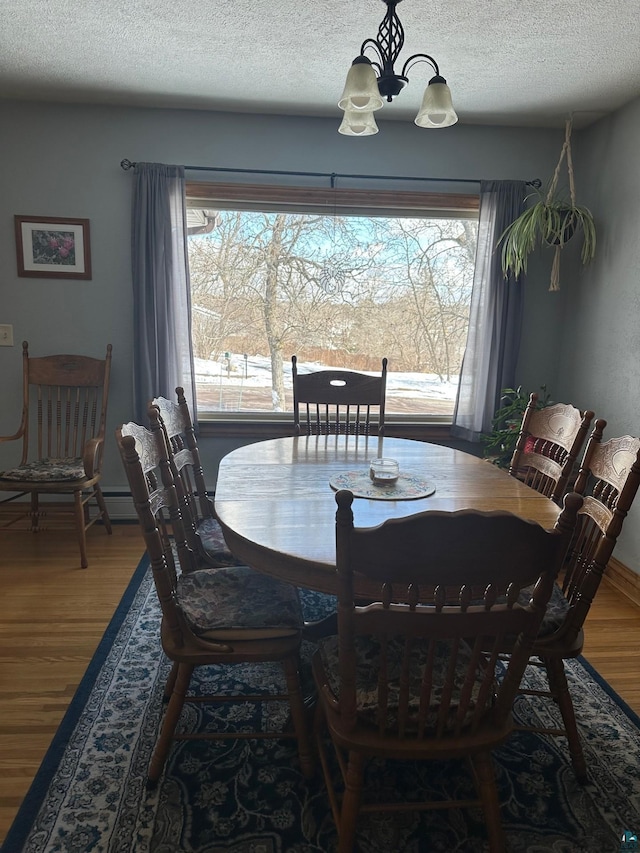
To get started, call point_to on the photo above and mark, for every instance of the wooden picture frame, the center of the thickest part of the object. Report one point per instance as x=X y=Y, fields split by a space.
x=53 y=247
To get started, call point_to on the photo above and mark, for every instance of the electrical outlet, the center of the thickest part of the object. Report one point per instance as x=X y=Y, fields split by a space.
x=6 y=336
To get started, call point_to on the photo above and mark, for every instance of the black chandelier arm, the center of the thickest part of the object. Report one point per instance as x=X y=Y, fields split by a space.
x=420 y=57
x=375 y=46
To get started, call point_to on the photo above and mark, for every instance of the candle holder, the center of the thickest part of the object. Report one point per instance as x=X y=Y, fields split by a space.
x=384 y=472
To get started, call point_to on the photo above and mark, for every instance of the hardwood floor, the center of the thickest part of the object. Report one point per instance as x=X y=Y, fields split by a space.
x=53 y=614
x=612 y=642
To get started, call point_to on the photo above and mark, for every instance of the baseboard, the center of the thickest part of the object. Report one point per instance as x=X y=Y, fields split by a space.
x=624 y=579
x=119 y=505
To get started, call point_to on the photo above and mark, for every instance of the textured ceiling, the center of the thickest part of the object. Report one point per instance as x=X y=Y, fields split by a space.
x=511 y=62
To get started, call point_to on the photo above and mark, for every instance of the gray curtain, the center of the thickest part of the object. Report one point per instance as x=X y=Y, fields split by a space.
x=163 y=354
x=495 y=321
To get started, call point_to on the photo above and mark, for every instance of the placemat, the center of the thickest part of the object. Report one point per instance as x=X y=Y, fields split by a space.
x=406 y=488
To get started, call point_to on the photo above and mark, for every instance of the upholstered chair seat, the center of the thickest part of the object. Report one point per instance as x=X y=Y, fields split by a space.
x=555 y=613
x=46 y=471
x=368 y=662
x=238 y=603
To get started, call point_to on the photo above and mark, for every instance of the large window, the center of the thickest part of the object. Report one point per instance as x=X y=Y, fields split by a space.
x=340 y=279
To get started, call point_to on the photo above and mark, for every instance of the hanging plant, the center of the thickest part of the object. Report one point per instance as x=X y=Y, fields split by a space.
x=553 y=220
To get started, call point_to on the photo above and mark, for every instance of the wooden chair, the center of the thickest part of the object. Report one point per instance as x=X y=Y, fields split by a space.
x=63 y=425
x=338 y=402
x=411 y=675
x=203 y=532
x=549 y=443
x=608 y=479
x=209 y=616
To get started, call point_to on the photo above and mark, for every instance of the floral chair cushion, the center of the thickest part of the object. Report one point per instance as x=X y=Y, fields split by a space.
x=238 y=603
x=368 y=665
x=556 y=611
x=212 y=539
x=46 y=471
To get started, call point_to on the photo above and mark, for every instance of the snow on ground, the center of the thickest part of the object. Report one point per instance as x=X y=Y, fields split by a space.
x=255 y=372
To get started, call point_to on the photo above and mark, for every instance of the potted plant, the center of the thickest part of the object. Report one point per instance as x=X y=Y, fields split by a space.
x=552 y=220
x=500 y=443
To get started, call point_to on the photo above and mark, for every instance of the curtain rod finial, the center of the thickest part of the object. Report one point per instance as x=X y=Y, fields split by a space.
x=127 y=164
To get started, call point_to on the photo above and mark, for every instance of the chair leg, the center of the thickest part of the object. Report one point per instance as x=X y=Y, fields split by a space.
x=171 y=717
x=299 y=717
x=351 y=800
x=171 y=680
x=80 y=528
x=102 y=507
x=319 y=731
x=35 y=511
x=560 y=688
x=486 y=781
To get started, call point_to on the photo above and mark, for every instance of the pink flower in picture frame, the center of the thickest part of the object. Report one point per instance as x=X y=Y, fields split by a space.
x=53 y=247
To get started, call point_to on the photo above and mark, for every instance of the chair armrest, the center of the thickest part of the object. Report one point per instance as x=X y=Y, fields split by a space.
x=13 y=437
x=20 y=431
x=92 y=456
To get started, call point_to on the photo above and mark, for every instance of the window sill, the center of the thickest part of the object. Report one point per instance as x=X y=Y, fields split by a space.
x=277 y=429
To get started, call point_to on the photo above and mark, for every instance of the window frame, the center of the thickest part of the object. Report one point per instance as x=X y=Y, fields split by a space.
x=307 y=199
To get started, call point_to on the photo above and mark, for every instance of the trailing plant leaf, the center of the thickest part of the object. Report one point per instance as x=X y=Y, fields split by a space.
x=547 y=222
x=552 y=220
x=589 y=231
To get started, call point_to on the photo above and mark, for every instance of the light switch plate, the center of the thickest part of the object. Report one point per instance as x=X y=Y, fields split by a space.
x=6 y=336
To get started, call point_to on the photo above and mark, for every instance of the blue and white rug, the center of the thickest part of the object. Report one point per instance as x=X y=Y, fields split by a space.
x=248 y=797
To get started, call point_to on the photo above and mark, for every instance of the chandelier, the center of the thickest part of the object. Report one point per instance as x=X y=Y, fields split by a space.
x=371 y=80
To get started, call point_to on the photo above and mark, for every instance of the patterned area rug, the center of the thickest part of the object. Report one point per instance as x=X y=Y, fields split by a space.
x=248 y=796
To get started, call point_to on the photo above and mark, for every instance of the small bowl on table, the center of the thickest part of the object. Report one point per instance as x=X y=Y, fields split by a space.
x=384 y=472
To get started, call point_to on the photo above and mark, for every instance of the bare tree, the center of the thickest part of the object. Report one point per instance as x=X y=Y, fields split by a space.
x=433 y=304
x=357 y=286
x=266 y=260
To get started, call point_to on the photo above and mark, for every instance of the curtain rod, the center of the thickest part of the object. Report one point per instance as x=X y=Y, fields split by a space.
x=127 y=164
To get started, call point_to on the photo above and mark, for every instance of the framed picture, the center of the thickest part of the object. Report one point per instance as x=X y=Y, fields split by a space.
x=53 y=247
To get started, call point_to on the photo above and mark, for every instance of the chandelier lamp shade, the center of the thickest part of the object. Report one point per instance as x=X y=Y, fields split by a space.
x=372 y=80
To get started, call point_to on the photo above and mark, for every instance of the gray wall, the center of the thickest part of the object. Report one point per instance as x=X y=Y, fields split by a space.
x=599 y=358
x=63 y=160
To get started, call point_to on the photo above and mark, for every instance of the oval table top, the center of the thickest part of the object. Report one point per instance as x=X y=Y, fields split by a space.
x=277 y=508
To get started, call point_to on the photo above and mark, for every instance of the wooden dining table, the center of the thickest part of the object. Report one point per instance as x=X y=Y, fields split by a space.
x=276 y=505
